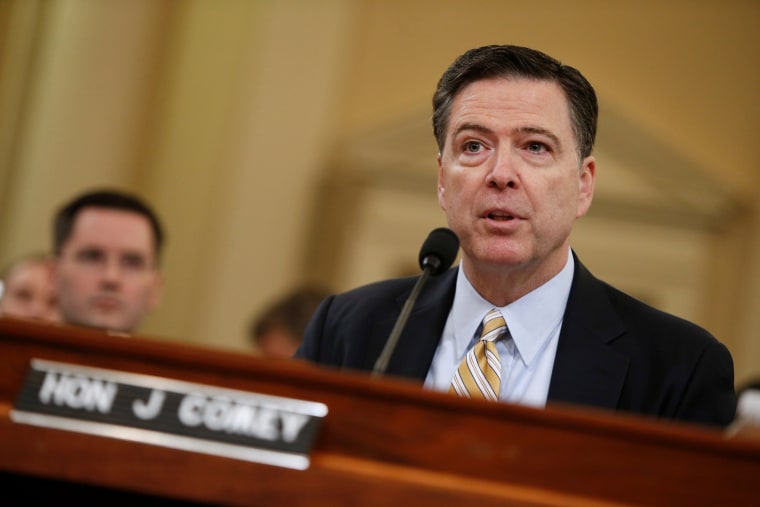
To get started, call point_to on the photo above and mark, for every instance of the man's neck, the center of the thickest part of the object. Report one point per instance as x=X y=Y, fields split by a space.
x=504 y=284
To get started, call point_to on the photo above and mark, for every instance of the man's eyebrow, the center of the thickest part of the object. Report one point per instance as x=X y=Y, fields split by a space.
x=132 y=253
x=539 y=130
x=88 y=248
x=472 y=126
x=525 y=130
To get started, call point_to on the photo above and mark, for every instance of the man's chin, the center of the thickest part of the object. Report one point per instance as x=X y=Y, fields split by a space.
x=500 y=255
x=107 y=323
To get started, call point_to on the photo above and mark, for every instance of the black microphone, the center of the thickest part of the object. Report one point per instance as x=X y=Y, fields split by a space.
x=436 y=255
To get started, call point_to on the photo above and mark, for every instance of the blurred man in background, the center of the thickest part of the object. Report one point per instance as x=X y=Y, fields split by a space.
x=278 y=330
x=107 y=247
x=26 y=289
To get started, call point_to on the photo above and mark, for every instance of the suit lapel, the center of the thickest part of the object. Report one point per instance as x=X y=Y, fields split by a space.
x=422 y=333
x=587 y=370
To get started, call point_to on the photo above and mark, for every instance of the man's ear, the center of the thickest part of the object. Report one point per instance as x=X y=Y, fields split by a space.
x=157 y=291
x=586 y=182
x=441 y=189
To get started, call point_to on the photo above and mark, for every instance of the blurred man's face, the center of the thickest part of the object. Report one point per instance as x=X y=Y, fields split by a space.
x=28 y=292
x=106 y=275
x=278 y=343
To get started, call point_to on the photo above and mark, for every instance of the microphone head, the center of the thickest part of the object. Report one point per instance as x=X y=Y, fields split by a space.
x=439 y=250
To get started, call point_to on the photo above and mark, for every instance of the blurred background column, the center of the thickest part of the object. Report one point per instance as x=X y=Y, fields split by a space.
x=236 y=152
x=75 y=78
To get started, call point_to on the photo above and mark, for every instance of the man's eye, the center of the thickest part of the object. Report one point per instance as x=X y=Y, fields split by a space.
x=89 y=256
x=133 y=262
x=473 y=147
x=536 y=147
x=24 y=295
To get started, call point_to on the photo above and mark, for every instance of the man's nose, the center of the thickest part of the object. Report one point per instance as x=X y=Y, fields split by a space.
x=503 y=173
x=112 y=270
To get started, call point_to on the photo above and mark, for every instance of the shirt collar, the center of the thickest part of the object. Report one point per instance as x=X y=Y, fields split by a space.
x=531 y=320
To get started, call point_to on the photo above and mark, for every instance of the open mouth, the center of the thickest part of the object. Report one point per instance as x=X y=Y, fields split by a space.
x=106 y=303
x=499 y=216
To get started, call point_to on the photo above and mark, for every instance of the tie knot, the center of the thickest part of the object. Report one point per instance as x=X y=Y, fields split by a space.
x=494 y=325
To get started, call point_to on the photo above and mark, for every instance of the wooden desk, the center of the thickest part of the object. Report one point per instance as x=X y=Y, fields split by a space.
x=383 y=442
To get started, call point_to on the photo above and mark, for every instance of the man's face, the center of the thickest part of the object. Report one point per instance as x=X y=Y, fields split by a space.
x=509 y=179
x=277 y=343
x=28 y=292
x=106 y=275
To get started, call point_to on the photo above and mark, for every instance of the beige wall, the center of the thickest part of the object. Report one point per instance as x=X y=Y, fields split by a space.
x=289 y=140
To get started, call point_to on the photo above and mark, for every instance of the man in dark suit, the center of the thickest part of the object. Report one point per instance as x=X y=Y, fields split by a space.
x=515 y=130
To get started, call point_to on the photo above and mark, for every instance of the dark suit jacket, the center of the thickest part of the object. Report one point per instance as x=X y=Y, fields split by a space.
x=614 y=351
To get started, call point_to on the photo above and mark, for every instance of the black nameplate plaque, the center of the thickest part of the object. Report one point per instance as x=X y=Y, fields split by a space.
x=170 y=413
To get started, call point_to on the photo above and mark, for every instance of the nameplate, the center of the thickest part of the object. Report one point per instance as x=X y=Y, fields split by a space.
x=169 y=413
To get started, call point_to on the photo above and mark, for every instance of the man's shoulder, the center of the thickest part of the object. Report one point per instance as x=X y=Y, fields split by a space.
x=383 y=296
x=393 y=289
x=636 y=311
x=636 y=314
x=371 y=294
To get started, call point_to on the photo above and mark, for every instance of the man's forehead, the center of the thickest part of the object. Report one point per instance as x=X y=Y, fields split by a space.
x=513 y=93
x=107 y=228
x=108 y=214
x=529 y=105
x=109 y=218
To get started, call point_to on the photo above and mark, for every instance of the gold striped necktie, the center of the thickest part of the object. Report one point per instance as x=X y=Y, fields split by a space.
x=479 y=373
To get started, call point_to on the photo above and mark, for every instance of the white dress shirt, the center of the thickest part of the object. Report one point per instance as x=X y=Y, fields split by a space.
x=527 y=354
